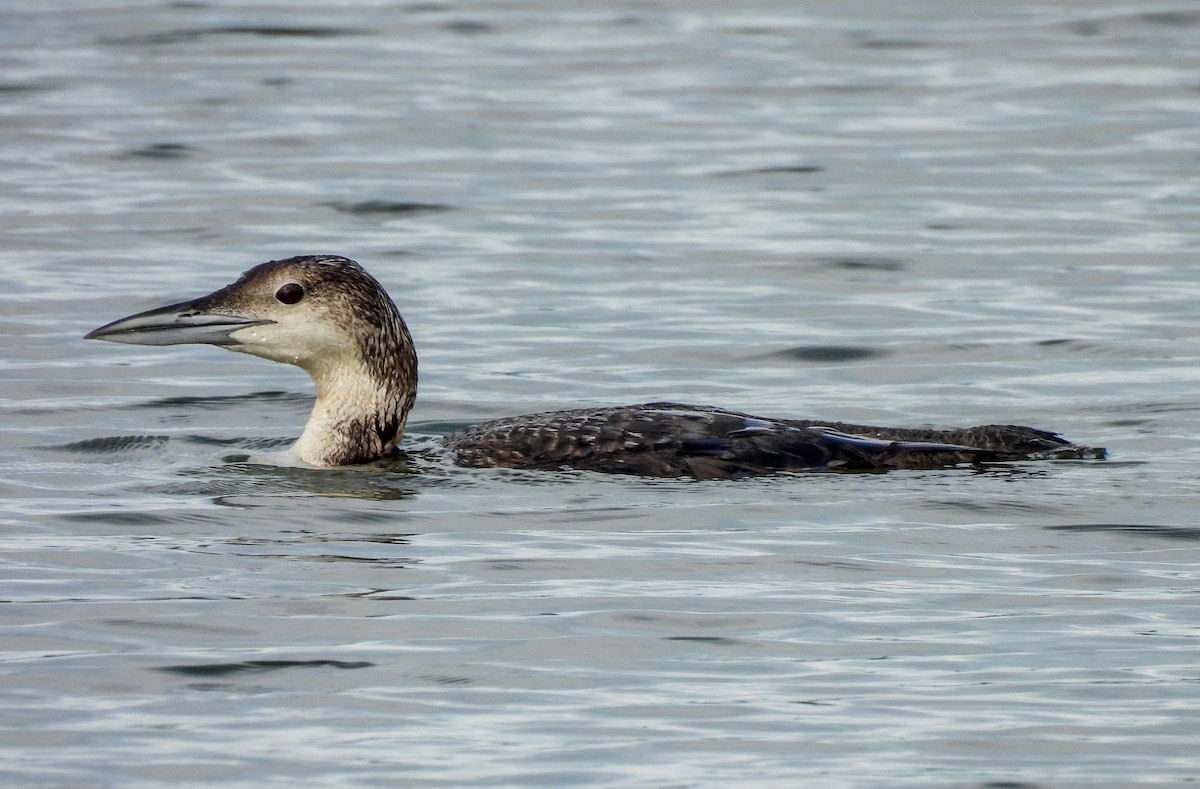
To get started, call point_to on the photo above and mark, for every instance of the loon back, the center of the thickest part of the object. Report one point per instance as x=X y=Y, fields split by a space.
x=679 y=440
x=327 y=315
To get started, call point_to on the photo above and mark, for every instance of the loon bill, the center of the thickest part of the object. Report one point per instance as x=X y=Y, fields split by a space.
x=327 y=315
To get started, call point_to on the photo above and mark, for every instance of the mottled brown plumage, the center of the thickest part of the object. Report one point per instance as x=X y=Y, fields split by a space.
x=678 y=440
x=324 y=313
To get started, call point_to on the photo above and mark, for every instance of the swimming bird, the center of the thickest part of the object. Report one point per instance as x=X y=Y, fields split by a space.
x=328 y=316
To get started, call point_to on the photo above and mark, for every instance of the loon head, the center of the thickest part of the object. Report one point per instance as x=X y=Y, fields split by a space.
x=322 y=313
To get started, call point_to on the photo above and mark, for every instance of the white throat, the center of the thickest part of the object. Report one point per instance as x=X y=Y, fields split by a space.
x=356 y=417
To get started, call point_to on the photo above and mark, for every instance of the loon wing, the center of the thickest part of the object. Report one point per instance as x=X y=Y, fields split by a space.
x=674 y=440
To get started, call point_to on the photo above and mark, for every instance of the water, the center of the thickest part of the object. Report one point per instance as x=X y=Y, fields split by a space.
x=920 y=213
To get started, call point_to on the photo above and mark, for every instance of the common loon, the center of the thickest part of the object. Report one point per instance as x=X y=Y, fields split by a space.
x=327 y=315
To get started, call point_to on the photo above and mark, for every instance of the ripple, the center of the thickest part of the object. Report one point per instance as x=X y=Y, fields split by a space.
x=162 y=150
x=721 y=641
x=469 y=27
x=894 y=43
x=388 y=207
x=825 y=354
x=785 y=169
x=1172 y=18
x=1183 y=533
x=187 y=35
x=259 y=666
x=864 y=263
x=214 y=402
x=24 y=87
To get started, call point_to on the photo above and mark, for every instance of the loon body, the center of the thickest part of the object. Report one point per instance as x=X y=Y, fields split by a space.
x=327 y=315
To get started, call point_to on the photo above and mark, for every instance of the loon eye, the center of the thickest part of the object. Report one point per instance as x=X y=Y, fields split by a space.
x=290 y=293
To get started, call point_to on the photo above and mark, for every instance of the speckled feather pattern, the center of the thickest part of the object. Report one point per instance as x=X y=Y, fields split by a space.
x=678 y=440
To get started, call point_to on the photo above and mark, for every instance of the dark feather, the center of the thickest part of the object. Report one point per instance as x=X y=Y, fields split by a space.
x=675 y=440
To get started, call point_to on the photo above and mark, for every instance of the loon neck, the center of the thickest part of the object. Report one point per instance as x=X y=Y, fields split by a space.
x=359 y=415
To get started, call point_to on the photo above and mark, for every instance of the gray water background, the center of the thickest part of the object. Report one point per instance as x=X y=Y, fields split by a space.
x=906 y=213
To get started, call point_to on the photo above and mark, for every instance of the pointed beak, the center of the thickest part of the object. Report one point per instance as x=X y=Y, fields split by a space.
x=176 y=324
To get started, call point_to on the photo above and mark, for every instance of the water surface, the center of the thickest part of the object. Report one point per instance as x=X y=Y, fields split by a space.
x=909 y=214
